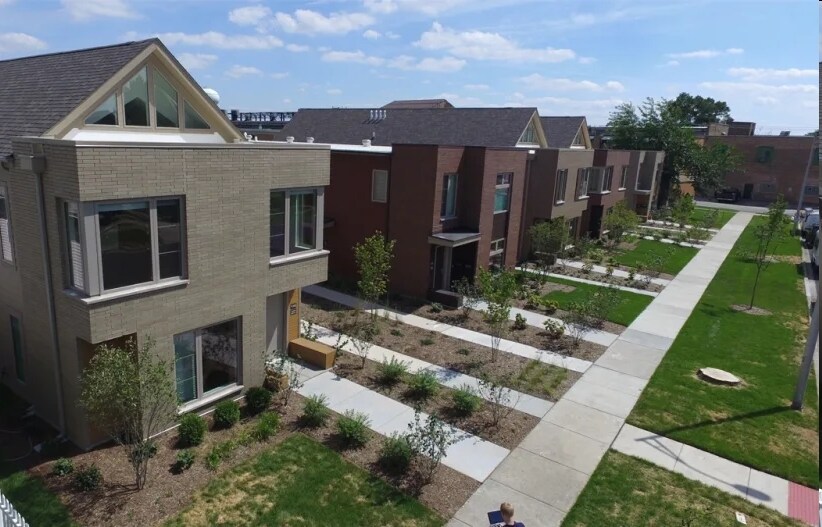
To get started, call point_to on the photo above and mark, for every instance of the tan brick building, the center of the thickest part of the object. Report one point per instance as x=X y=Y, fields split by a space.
x=135 y=208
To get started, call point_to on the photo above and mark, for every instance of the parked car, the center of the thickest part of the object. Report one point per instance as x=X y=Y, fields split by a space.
x=810 y=226
x=729 y=194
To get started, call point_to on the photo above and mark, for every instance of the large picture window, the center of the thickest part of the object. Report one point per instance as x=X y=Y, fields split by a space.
x=135 y=99
x=207 y=359
x=502 y=192
x=140 y=241
x=295 y=218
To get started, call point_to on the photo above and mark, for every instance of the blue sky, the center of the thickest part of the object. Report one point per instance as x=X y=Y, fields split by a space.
x=564 y=57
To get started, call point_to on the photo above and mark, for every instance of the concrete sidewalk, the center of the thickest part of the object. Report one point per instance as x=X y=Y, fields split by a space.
x=576 y=264
x=546 y=473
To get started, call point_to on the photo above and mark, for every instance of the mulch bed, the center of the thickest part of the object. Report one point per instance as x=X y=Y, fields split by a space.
x=508 y=434
x=465 y=357
x=610 y=280
x=757 y=311
x=117 y=502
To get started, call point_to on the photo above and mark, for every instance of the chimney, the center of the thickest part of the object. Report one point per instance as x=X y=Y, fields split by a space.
x=366 y=142
x=370 y=115
x=289 y=139
x=309 y=139
x=235 y=115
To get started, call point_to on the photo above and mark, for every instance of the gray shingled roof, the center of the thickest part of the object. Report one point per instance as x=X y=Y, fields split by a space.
x=37 y=92
x=561 y=131
x=419 y=103
x=441 y=126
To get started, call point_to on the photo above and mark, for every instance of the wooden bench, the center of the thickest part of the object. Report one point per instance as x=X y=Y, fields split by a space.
x=312 y=352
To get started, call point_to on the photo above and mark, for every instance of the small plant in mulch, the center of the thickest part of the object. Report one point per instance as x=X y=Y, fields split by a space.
x=435 y=307
x=396 y=454
x=426 y=341
x=315 y=411
x=609 y=270
x=554 y=329
x=257 y=399
x=495 y=390
x=423 y=385
x=465 y=400
x=352 y=429
x=519 y=322
x=192 y=430
x=185 y=460
x=587 y=267
x=226 y=414
x=87 y=478
x=533 y=301
x=63 y=467
x=219 y=453
x=396 y=332
x=550 y=306
x=391 y=372
x=464 y=351
x=431 y=438
x=266 y=426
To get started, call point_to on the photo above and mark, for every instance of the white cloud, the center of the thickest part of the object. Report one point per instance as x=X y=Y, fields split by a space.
x=6 y=2
x=196 y=61
x=279 y=75
x=391 y=35
x=672 y=63
x=357 y=57
x=705 y=53
x=756 y=88
x=16 y=42
x=427 y=7
x=333 y=91
x=760 y=74
x=595 y=110
x=459 y=100
x=371 y=34
x=480 y=45
x=257 y=16
x=442 y=65
x=88 y=9
x=312 y=23
x=215 y=39
x=236 y=71
x=401 y=62
x=587 y=60
x=286 y=101
x=297 y=48
x=766 y=99
x=476 y=87
x=536 y=81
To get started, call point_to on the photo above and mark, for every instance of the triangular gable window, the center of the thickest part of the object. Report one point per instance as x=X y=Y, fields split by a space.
x=578 y=139
x=193 y=119
x=529 y=136
x=106 y=113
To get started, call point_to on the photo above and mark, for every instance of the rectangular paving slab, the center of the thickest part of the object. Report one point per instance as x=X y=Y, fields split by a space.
x=713 y=470
x=491 y=494
x=768 y=490
x=602 y=398
x=565 y=447
x=584 y=420
x=648 y=446
x=615 y=380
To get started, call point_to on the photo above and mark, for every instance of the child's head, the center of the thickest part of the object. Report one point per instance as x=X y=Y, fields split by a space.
x=507 y=511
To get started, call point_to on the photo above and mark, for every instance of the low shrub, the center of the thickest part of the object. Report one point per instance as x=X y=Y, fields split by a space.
x=427 y=341
x=396 y=454
x=550 y=306
x=464 y=351
x=266 y=426
x=219 y=453
x=63 y=467
x=185 y=460
x=423 y=385
x=396 y=332
x=436 y=307
x=257 y=399
x=87 y=478
x=554 y=329
x=533 y=301
x=315 y=411
x=609 y=270
x=587 y=267
x=226 y=414
x=352 y=428
x=596 y=254
x=465 y=400
x=631 y=275
x=192 y=430
x=519 y=322
x=391 y=372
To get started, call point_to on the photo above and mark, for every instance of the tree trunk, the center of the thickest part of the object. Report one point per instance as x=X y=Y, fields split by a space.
x=753 y=292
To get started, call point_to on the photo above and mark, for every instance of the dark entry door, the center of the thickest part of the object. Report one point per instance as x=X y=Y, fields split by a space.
x=595 y=221
x=747 y=191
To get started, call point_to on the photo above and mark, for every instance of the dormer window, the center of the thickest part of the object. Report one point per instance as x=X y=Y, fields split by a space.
x=133 y=104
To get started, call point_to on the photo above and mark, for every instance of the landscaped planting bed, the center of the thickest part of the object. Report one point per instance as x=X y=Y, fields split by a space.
x=625 y=490
x=602 y=278
x=508 y=434
x=751 y=424
x=540 y=380
x=675 y=256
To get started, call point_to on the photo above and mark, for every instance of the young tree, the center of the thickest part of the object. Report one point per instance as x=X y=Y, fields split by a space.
x=495 y=391
x=373 y=258
x=682 y=209
x=469 y=295
x=620 y=220
x=548 y=241
x=578 y=321
x=768 y=234
x=498 y=290
x=129 y=393
x=431 y=438
x=362 y=338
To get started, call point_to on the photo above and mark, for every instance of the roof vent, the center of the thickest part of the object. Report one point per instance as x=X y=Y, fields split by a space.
x=289 y=139
x=309 y=139
x=366 y=142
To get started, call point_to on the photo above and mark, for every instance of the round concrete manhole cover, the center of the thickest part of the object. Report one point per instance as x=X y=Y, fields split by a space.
x=718 y=376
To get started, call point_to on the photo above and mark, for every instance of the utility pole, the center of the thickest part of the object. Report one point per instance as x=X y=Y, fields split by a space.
x=807 y=360
x=805 y=179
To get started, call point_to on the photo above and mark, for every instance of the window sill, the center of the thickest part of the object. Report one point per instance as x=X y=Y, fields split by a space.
x=500 y=211
x=560 y=202
x=125 y=293
x=210 y=398
x=299 y=257
x=580 y=198
x=622 y=189
x=443 y=219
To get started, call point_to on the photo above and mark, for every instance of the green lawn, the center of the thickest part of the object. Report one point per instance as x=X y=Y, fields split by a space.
x=301 y=482
x=722 y=217
x=631 y=306
x=752 y=425
x=645 y=249
x=628 y=491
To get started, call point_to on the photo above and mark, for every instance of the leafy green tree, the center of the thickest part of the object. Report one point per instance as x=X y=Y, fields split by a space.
x=129 y=393
x=682 y=209
x=548 y=241
x=620 y=220
x=373 y=258
x=768 y=234
x=498 y=290
x=699 y=111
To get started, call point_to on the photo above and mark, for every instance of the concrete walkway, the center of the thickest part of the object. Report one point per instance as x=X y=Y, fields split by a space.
x=591 y=282
x=576 y=264
x=508 y=346
x=674 y=242
x=545 y=474
x=447 y=377
x=662 y=225
x=470 y=455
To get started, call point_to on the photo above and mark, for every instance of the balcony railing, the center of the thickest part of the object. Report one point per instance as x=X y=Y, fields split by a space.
x=9 y=517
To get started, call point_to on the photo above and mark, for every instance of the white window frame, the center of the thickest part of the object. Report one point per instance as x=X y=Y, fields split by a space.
x=623 y=178
x=607 y=179
x=583 y=176
x=561 y=186
x=6 y=257
x=375 y=174
x=503 y=181
x=198 y=367
x=318 y=228
x=94 y=250
x=444 y=214
x=497 y=246
x=70 y=272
